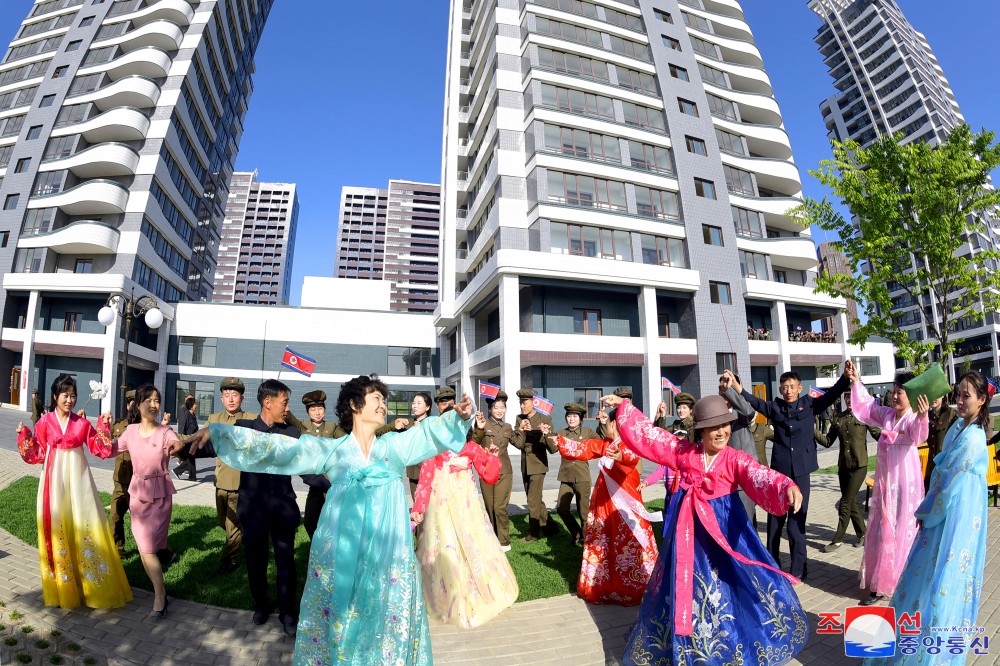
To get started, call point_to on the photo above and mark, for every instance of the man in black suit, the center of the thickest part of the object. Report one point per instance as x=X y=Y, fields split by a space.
x=793 y=453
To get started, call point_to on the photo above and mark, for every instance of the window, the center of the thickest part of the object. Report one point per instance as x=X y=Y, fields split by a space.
x=567 y=31
x=589 y=398
x=629 y=78
x=28 y=261
x=650 y=158
x=671 y=43
x=22 y=165
x=38 y=221
x=663 y=16
x=74 y=45
x=713 y=75
x=721 y=108
x=577 y=190
x=704 y=188
x=719 y=291
x=34 y=132
x=659 y=251
x=581 y=241
x=696 y=146
x=712 y=235
x=60 y=71
x=867 y=365
x=197 y=351
x=4 y=237
x=781 y=276
x=688 y=107
x=747 y=222
x=409 y=362
x=753 y=265
x=729 y=142
x=739 y=181
x=10 y=203
x=84 y=266
x=587 y=322
x=203 y=394
x=89 y=20
x=631 y=49
x=571 y=63
x=725 y=361
x=662 y=204
x=72 y=322
x=582 y=144
x=696 y=22
x=642 y=116
x=705 y=48
x=679 y=73
x=47 y=100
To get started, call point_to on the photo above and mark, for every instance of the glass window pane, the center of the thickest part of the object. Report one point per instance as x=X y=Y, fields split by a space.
x=590 y=241
x=623 y=245
x=560 y=243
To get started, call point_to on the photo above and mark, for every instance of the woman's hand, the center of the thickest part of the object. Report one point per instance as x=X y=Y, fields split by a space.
x=494 y=450
x=850 y=371
x=166 y=419
x=611 y=401
x=198 y=440
x=922 y=405
x=82 y=413
x=602 y=417
x=641 y=486
x=480 y=421
x=417 y=518
x=614 y=453
x=401 y=424
x=795 y=498
x=106 y=418
x=175 y=447
x=465 y=408
x=661 y=409
x=730 y=380
x=20 y=428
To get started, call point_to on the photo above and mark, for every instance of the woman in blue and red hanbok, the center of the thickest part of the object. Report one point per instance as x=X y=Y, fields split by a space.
x=943 y=576
x=716 y=595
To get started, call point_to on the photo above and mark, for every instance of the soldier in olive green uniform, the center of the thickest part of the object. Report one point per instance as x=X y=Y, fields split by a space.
x=495 y=431
x=574 y=475
x=683 y=426
x=227 y=479
x=531 y=431
x=762 y=433
x=37 y=407
x=939 y=419
x=122 y=477
x=852 y=468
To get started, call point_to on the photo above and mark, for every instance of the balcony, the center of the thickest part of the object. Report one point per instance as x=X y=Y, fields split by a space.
x=756 y=109
x=772 y=174
x=148 y=61
x=175 y=11
x=121 y=124
x=766 y=290
x=761 y=139
x=136 y=91
x=88 y=237
x=162 y=34
x=101 y=160
x=795 y=252
x=93 y=197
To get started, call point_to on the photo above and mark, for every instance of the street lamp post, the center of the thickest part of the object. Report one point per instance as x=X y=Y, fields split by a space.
x=128 y=308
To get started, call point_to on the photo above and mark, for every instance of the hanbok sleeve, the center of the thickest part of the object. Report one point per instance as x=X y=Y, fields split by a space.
x=248 y=450
x=657 y=476
x=422 y=495
x=487 y=464
x=99 y=440
x=954 y=481
x=586 y=449
x=629 y=459
x=642 y=437
x=917 y=429
x=865 y=410
x=433 y=435
x=764 y=486
x=32 y=447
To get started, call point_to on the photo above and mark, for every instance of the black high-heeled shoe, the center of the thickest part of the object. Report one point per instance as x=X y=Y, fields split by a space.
x=161 y=613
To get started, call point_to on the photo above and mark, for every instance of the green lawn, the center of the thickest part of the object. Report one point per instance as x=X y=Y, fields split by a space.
x=544 y=568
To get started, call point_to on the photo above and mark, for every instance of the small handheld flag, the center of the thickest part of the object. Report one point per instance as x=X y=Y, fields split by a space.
x=815 y=392
x=992 y=386
x=667 y=384
x=488 y=391
x=542 y=405
x=298 y=362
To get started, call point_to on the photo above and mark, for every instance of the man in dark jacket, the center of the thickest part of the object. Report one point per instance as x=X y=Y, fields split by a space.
x=939 y=419
x=852 y=468
x=187 y=425
x=793 y=453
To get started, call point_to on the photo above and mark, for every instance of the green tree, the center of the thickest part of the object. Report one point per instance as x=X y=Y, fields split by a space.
x=916 y=208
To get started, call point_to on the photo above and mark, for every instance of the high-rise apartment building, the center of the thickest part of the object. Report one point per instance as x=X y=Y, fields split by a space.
x=258 y=242
x=616 y=190
x=889 y=82
x=833 y=262
x=392 y=234
x=119 y=125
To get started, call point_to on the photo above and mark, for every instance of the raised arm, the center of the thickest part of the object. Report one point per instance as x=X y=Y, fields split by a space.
x=642 y=437
x=248 y=450
x=32 y=447
x=765 y=407
x=739 y=403
x=487 y=464
x=433 y=435
x=946 y=493
x=917 y=428
x=586 y=449
x=422 y=495
x=765 y=487
x=864 y=408
x=657 y=476
x=823 y=402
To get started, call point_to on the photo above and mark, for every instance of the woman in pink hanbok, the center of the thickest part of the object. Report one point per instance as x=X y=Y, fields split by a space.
x=899 y=483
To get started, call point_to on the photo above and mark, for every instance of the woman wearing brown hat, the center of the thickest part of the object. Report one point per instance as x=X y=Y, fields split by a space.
x=716 y=591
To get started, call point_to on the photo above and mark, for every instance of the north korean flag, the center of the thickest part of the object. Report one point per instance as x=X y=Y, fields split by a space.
x=298 y=362
x=815 y=392
x=667 y=384
x=542 y=405
x=992 y=388
x=488 y=391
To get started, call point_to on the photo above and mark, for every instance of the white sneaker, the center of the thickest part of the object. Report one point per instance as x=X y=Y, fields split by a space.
x=505 y=548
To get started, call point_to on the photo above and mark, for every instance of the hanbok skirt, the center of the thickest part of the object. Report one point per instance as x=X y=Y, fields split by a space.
x=467 y=579
x=77 y=552
x=741 y=614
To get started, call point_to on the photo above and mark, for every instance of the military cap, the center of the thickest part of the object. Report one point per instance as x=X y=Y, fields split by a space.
x=575 y=408
x=684 y=399
x=623 y=392
x=130 y=395
x=444 y=393
x=526 y=394
x=234 y=383
x=314 y=398
x=501 y=396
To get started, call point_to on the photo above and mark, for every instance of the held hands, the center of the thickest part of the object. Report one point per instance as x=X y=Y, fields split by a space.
x=480 y=421
x=166 y=419
x=614 y=453
x=922 y=405
x=198 y=440
x=602 y=416
x=641 y=486
x=795 y=498
x=465 y=408
x=729 y=379
x=401 y=424
x=417 y=518
x=20 y=428
x=611 y=401
x=661 y=409
x=525 y=425
x=176 y=446
x=545 y=428
x=850 y=372
x=106 y=419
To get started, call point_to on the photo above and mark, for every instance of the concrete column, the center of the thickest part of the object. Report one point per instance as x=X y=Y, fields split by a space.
x=510 y=329
x=162 y=344
x=784 y=353
x=28 y=379
x=652 y=389
x=996 y=369
x=109 y=371
x=840 y=326
x=466 y=345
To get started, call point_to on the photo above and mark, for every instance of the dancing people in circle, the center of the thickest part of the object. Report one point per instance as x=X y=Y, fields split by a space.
x=77 y=553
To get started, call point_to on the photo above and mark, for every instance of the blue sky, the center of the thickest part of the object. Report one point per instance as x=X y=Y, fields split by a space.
x=352 y=93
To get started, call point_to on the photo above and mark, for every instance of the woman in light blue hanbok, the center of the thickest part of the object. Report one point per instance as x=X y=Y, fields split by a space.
x=943 y=576
x=362 y=602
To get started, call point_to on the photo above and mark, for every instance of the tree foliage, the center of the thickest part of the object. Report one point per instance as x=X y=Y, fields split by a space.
x=916 y=208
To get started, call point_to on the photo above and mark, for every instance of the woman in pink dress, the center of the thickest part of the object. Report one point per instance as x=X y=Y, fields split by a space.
x=150 y=445
x=899 y=483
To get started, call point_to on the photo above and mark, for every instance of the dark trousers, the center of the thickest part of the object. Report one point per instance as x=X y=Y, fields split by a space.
x=850 y=510
x=275 y=518
x=314 y=506
x=796 y=531
x=567 y=492
x=496 y=498
x=120 y=498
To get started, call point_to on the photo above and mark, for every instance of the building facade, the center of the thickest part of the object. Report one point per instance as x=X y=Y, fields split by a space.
x=119 y=125
x=257 y=246
x=392 y=234
x=616 y=189
x=833 y=262
x=889 y=82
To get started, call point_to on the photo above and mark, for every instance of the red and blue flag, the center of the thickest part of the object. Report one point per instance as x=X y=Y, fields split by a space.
x=298 y=362
x=542 y=405
x=488 y=391
x=815 y=392
x=993 y=388
x=667 y=384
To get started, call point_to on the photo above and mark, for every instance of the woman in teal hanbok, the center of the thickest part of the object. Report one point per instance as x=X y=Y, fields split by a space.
x=943 y=576
x=362 y=602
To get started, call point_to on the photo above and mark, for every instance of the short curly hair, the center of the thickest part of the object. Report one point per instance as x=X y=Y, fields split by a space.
x=352 y=396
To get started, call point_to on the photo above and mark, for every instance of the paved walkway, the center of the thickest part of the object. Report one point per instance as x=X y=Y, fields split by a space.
x=559 y=630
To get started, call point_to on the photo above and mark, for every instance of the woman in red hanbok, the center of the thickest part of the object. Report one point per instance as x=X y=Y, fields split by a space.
x=619 y=551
